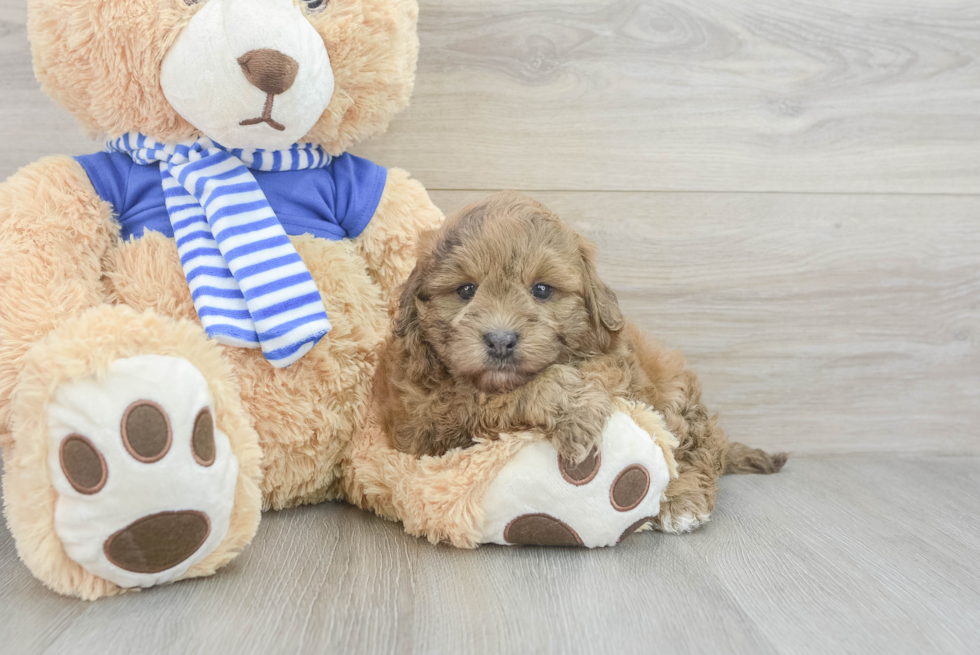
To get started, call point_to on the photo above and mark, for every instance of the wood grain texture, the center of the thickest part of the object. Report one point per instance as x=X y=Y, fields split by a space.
x=719 y=95
x=849 y=555
x=715 y=95
x=818 y=323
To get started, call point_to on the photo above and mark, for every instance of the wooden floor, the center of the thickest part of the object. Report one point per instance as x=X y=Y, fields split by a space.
x=789 y=190
x=858 y=554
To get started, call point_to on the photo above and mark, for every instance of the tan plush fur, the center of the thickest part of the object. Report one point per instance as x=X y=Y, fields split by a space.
x=101 y=60
x=75 y=296
x=443 y=382
x=53 y=233
x=388 y=246
x=86 y=345
x=439 y=498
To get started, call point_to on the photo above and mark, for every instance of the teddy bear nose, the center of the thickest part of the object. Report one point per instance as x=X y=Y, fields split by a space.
x=269 y=70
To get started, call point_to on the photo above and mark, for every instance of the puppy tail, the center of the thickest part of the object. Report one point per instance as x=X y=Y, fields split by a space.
x=741 y=459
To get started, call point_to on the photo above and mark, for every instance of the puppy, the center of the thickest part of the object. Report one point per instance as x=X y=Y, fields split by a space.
x=504 y=326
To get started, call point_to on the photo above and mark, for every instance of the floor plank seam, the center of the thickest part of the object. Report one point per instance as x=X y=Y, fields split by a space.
x=694 y=192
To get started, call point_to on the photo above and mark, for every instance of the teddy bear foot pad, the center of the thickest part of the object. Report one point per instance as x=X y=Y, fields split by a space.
x=539 y=499
x=145 y=480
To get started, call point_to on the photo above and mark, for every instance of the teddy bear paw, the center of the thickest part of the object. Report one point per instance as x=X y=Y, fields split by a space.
x=145 y=480
x=539 y=499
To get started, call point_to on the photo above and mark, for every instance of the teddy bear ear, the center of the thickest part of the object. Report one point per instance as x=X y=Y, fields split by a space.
x=376 y=74
x=100 y=71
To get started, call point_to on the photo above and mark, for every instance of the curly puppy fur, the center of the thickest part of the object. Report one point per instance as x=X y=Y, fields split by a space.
x=504 y=325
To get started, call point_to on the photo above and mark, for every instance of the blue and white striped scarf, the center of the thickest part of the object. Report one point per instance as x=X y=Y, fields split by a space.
x=250 y=287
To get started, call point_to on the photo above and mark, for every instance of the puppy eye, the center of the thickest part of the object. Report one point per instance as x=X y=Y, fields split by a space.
x=542 y=291
x=466 y=292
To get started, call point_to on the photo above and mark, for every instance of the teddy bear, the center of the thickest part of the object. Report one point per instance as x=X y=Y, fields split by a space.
x=190 y=320
x=206 y=288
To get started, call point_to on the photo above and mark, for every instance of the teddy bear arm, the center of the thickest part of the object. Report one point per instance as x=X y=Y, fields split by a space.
x=388 y=243
x=54 y=231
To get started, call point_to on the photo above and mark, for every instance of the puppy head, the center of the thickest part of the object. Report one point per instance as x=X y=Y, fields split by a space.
x=503 y=290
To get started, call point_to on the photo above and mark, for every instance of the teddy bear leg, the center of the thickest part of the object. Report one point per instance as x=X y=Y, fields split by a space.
x=388 y=243
x=132 y=462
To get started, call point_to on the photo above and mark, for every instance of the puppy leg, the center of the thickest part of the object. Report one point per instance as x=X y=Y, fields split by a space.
x=569 y=408
x=690 y=499
x=673 y=389
x=583 y=417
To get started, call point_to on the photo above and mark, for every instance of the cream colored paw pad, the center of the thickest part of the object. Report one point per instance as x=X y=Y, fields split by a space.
x=540 y=499
x=145 y=480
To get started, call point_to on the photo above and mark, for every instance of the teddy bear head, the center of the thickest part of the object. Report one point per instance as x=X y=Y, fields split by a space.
x=245 y=73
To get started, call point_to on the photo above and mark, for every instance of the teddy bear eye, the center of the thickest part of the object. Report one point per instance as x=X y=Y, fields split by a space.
x=315 y=6
x=542 y=291
x=466 y=292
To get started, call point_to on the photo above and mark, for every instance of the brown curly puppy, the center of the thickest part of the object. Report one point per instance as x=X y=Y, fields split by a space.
x=504 y=325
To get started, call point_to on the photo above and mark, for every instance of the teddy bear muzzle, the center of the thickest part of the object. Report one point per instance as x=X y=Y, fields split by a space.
x=272 y=72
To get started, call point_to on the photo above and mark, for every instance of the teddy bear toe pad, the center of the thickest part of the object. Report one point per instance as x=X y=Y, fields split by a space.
x=145 y=480
x=540 y=499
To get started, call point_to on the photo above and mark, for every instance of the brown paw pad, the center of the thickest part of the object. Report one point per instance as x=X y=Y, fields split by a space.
x=202 y=441
x=634 y=527
x=583 y=472
x=540 y=530
x=629 y=488
x=146 y=431
x=82 y=464
x=158 y=542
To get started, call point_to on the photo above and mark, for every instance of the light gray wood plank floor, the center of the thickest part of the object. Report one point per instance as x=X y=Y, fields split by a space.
x=833 y=555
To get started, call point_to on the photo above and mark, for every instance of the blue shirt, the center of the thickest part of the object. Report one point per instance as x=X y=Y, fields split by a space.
x=333 y=202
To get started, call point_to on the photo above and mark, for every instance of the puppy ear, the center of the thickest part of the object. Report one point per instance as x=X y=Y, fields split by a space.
x=407 y=315
x=600 y=300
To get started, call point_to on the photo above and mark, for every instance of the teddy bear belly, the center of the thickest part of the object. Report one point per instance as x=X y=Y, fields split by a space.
x=305 y=414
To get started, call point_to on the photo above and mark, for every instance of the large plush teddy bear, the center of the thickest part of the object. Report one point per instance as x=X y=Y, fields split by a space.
x=190 y=320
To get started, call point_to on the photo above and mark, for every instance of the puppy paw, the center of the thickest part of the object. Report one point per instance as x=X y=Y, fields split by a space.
x=579 y=434
x=145 y=480
x=674 y=521
x=542 y=498
x=576 y=445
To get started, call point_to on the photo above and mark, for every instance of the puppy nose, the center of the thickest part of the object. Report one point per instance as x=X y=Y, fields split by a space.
x=269 y=70
x=500 y=344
